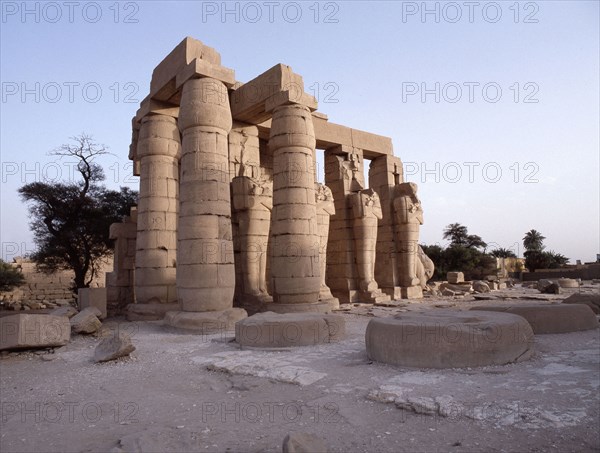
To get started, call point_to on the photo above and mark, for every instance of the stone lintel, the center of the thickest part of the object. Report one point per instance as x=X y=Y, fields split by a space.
x=289 y=97
x=248 y=100
x=200 y=68
x=149 y=105
x=330 y=135
x=162 y=85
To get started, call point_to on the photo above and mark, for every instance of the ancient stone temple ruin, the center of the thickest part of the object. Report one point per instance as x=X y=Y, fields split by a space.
x=231 y=218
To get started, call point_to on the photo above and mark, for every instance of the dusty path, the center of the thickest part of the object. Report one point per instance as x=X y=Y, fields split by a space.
x=182 y=392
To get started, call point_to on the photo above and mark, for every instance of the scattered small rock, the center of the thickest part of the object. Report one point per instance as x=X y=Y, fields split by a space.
x=113 y=347
x=86 y=321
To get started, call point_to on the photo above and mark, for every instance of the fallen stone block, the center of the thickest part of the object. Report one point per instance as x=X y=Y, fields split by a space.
x=24 y=331
x=543 y=284
x=455 y=277
x=303 y=443
x=591 y=300
x=113 y=347
x=86 y=321
x=548 y=287
x=555 y=318
x=464 y=288
x=449 y=339
x=274 y=330
x=481 y=287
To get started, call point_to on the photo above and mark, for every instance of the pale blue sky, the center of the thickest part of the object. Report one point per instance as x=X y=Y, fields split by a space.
x=368 y=57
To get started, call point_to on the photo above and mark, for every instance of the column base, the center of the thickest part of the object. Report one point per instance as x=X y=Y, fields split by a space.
x=205 y=322
x=253 y=304
x=374 y=297
x=149 y=312
x=392 y=291
x=411 y=292
x=333 y=302
x=274 y=330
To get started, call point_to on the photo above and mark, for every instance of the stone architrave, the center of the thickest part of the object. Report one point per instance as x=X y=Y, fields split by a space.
x=295 y=270
x=409 y=218
x=366 y=208
x=325 y=209
x=253 y=202
x=158 y=151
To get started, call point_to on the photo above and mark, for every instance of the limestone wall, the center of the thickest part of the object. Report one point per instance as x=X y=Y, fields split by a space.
x=44 y=289
x=584 y=272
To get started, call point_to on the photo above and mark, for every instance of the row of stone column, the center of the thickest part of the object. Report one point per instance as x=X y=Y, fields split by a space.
x=185 y=253
x=184 y=239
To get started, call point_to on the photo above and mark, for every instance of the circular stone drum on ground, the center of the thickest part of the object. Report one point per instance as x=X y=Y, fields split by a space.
x=273 y=330
x=567 y=283
x=204 y=322
x=548 y=318
x=449 y=339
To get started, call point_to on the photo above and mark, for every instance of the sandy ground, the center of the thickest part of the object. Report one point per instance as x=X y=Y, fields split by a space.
x=180 y=392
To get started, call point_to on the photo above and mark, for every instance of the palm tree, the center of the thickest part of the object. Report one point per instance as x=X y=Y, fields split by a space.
x=456 y=233
x=503 y=253
x=557 y=260
x=474 y=241
x=533 y=241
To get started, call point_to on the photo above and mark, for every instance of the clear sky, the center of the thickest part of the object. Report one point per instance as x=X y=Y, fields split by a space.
x=492 y=106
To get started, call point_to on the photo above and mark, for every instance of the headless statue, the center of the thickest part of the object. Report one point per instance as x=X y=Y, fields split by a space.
x=409 y=218
x=325 y=209
x=366 y=207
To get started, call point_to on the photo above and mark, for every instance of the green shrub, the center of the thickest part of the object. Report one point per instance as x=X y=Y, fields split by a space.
x=10 y=277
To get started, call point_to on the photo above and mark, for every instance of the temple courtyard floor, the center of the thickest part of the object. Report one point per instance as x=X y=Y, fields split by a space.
x=180 y=392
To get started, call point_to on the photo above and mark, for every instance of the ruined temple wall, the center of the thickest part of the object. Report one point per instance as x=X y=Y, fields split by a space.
x=50 y=289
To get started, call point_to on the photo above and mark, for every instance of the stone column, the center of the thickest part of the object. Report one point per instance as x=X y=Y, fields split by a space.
x=325 y=209
x=367 y=213
x=205 y=271
x=295 y=270
x=158 y=152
